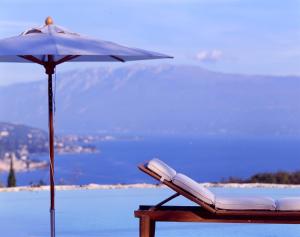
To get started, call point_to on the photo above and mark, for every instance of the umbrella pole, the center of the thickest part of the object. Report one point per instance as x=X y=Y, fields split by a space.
x=50 y=70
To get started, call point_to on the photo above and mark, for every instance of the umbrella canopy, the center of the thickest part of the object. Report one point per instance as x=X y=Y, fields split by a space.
x=50 y=45
x=60 y=43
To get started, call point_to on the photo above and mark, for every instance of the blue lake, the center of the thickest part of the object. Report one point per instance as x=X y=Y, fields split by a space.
x=108 y=213
x=204 y=159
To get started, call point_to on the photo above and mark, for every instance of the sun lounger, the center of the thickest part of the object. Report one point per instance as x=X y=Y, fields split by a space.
x=210 y=207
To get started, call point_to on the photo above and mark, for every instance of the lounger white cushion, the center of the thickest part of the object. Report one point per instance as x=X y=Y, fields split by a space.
x=288 y=204
x=162 y=169
x=245 y=203
x=191 y=186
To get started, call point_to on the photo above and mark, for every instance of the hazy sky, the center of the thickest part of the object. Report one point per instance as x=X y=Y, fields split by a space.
x=238 y=36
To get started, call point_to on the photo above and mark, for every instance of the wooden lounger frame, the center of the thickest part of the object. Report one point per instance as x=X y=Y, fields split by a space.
x=148 y=215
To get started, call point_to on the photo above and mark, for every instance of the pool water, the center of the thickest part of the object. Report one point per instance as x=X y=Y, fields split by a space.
x=109 y=213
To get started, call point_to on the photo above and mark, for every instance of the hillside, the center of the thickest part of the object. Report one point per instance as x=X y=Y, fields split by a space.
x=22 y=139
x=165 y=99
x=19 y=142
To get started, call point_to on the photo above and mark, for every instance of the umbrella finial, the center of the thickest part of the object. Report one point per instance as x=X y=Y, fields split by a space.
x=49 y=20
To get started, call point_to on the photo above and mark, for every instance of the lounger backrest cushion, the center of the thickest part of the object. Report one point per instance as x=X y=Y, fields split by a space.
x=162 y=169
x=196 y=189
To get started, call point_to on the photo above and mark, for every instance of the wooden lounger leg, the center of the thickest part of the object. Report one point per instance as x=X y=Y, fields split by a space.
x=147 y=227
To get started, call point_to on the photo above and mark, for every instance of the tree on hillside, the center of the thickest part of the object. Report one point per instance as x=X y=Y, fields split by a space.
x=11 y=179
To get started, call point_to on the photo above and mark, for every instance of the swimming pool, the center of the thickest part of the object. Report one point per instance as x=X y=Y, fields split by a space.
x=109 y=213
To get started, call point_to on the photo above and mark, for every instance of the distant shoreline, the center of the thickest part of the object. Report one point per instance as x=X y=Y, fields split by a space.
x=142 y=186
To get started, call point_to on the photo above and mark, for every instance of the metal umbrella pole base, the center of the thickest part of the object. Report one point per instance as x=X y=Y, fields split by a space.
x=52 y=221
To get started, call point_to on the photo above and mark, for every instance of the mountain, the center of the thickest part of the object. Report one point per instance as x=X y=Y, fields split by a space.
x=159 y=99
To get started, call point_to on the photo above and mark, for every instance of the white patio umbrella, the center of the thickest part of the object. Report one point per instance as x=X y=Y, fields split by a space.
x=51 y=45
